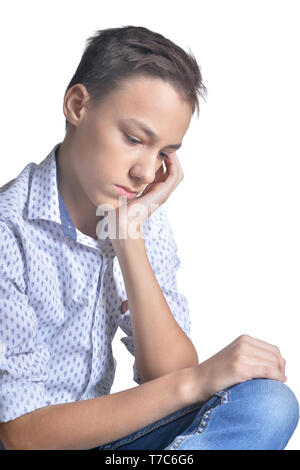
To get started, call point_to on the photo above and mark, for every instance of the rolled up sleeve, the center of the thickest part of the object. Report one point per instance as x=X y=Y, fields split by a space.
x=23 y=359
x=163 y=255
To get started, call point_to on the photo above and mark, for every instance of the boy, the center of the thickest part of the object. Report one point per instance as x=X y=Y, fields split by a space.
x=67 y=283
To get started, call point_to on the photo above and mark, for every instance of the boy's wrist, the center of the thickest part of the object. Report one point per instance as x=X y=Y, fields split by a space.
x=193 y=385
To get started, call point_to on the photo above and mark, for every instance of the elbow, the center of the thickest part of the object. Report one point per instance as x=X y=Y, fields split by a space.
x=196 y=358
x=7 y=442
x=14 y=435
x=191 y=358
x=12 y=443
x=15 y=444
x=5 y=436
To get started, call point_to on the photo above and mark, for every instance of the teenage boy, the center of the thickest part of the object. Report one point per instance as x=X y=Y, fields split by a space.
x=67 y=284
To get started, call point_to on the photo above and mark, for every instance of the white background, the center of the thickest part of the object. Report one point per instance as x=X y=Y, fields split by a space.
x=235 y=216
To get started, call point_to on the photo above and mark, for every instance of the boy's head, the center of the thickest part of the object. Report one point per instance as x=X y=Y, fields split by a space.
x=127 y=74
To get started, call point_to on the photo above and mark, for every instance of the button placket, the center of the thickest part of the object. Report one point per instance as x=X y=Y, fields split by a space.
x=101 y=304
x=97 y=350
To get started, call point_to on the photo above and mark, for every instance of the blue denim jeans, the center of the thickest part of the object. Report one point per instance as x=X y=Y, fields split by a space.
x=259 y=414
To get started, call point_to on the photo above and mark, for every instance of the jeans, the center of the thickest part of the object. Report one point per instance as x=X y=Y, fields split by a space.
x=259 y=414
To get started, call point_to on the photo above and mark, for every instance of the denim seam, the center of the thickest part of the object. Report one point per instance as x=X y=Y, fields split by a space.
x=152 y=427
x=224 y=398
x=204 y=419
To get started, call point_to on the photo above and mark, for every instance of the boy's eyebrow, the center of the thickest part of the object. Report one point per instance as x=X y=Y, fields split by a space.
x=144 y=127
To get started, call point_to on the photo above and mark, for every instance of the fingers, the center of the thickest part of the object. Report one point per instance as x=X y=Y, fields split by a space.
x=269 y=354
x=174 y=170
x=160 y=176
x=263 y=344
x=267 y=372
x=262 y=353
x=267 y=347
x=266 y=366
x=171 y=176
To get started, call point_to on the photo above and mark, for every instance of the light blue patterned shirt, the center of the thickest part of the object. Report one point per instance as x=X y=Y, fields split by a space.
x=61 y=293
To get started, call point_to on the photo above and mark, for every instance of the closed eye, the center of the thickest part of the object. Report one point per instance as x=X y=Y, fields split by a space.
x=134 y=141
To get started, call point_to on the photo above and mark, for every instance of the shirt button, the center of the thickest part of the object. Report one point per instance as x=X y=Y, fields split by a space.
x=100 y=352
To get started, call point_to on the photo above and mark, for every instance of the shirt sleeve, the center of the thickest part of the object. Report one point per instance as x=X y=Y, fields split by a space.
x=23 y=360
x=163 y=255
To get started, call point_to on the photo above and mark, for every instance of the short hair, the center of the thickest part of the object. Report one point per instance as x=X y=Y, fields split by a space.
x=115 y=54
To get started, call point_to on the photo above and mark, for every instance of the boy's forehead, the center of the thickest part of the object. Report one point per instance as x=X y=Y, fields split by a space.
x=148 y=109
x=145 y=90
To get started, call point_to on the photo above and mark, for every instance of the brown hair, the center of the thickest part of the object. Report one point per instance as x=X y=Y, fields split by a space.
x=115 y=54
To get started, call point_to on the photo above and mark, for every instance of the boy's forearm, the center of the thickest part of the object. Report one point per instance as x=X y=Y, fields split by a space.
x=160 y=344
x=91 y=423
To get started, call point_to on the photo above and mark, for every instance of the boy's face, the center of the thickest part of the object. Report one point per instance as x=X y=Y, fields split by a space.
x=102 y=155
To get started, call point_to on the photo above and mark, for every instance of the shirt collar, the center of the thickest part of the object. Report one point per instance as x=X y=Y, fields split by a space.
x=45 y=202
x=43 y=197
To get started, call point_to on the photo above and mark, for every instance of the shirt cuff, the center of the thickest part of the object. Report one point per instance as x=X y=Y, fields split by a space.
x=17 y=399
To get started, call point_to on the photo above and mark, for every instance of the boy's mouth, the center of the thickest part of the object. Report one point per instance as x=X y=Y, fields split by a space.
x=125 y=191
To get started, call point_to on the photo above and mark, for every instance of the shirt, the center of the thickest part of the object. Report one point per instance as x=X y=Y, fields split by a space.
x=61 y=293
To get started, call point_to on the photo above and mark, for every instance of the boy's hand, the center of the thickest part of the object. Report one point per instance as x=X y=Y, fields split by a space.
x=164 y=183
x=131 y=216
x=244 y=359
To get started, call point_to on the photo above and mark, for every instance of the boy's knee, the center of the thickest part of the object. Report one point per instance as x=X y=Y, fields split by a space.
x=273 y=407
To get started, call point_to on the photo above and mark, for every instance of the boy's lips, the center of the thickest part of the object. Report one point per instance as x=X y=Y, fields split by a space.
x=124 y=191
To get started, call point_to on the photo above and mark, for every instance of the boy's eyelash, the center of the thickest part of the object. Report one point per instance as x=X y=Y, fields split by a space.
x=134 y=141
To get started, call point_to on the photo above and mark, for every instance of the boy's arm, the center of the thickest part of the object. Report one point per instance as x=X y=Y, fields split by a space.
x=91 y=423
x=160 y=344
